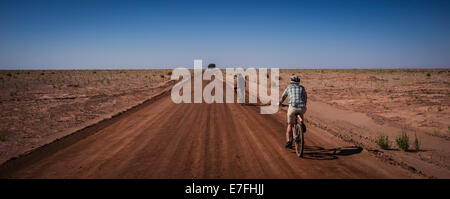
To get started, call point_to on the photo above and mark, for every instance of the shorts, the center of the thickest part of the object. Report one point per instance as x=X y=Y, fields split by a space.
x=292 y=112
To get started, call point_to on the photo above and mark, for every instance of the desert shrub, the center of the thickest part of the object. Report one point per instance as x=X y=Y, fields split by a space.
x=403 y=141
x=428 y=74
x=211 y=65
x=436 y=132
x=169 y=73
x=416 y=143
x=162 y=76
x=383 y=141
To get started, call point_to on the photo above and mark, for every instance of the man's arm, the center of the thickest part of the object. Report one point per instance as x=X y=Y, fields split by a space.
x=283 y=97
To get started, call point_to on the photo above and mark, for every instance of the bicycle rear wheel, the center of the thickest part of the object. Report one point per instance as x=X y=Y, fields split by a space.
x=299 y=142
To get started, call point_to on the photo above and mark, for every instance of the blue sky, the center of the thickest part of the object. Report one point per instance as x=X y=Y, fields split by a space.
x=164 y=34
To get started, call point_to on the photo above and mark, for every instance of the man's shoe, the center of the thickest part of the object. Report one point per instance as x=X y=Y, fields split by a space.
x=297 y=139
x=288 y=145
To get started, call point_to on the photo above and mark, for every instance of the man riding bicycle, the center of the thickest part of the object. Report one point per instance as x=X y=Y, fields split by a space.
x=297 y=105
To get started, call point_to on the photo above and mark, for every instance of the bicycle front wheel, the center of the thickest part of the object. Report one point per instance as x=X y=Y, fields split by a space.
x=299 y=142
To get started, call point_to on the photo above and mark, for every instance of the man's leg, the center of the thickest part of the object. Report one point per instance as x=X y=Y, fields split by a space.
x=289 y=127
x=302 y=114
x=288 y=131
x=288 y=136
x=302 y=119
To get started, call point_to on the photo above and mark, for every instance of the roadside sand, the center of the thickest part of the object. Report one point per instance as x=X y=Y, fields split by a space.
x=38 y=107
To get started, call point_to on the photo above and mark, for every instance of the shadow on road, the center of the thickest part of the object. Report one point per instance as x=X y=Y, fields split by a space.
x=320 y=153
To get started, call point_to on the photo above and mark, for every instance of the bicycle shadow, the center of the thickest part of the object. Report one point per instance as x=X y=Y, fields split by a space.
x=320 y=153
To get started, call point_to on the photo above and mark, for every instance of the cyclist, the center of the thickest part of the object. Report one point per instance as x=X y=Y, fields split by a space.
x=297 y=105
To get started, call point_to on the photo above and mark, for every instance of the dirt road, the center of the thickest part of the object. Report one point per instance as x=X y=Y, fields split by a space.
x=161 y=139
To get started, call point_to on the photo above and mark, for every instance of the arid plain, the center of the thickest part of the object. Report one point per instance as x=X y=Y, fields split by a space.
x=350 y=108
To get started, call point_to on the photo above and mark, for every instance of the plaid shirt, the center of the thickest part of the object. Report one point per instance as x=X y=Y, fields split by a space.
x=297 y=95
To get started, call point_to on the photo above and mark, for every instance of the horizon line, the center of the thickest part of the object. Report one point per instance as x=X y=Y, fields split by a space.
x=191 y=67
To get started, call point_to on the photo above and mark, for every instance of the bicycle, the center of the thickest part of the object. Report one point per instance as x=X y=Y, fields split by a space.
x=297 y=135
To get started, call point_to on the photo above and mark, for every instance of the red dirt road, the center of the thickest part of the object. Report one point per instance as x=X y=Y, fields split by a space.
x=166 y=140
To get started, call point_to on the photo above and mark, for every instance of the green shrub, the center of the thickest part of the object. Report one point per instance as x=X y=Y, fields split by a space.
x=212 y=65
x=416 y=143
x=403 y=141
x=383 y=141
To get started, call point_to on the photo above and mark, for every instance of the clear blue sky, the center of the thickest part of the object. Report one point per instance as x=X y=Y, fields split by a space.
x=84 y=34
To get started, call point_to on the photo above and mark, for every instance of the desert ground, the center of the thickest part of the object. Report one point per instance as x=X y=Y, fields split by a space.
x=122 y=124
x=38 y=107
x=360 y=105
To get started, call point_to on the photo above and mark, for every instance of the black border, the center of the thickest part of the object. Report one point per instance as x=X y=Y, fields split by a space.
x=175 y=188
